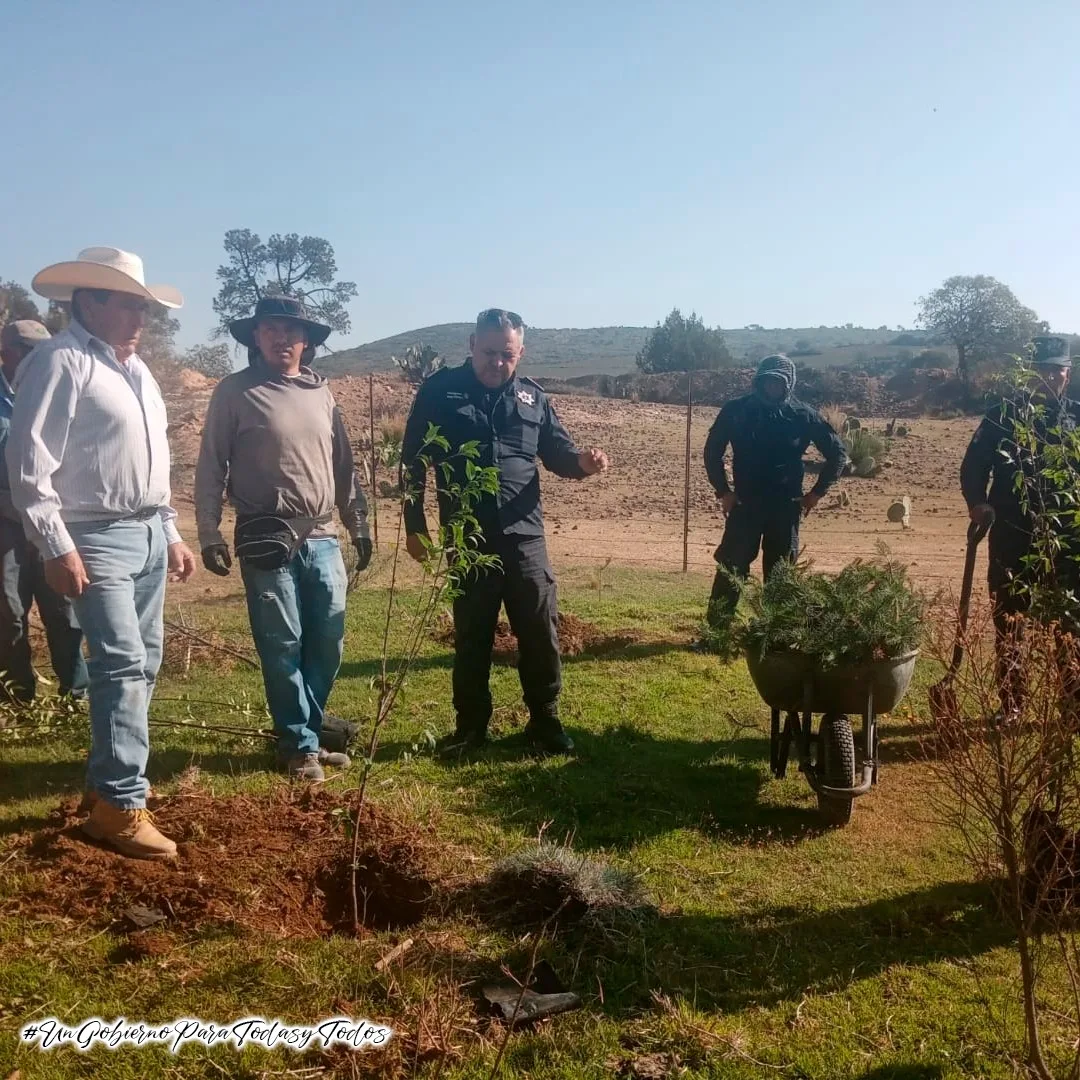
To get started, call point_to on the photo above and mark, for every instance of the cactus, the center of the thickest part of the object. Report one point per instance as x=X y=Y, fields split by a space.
x=419 y=362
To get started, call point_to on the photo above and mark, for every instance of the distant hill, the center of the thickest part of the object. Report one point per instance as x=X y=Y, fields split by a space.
x=606 y=350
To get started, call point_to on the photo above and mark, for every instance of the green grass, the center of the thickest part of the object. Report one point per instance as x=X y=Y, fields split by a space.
x=778 y=949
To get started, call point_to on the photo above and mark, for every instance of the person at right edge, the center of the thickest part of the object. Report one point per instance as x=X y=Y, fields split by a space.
x=769 y=431
x=991 y=459
x=513 y=421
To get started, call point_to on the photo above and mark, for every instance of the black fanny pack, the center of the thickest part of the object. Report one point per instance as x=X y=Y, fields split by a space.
x=268 y=542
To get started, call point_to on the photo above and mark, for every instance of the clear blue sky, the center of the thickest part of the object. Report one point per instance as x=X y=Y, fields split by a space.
x=586 y=164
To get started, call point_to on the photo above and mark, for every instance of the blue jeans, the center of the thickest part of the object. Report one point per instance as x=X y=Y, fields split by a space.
x=22 y=581
x=121 y=613
x=297 y=618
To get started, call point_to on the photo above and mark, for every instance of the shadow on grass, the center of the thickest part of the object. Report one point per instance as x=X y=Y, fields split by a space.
x=602 y=650
x=624 y=786
x=21 y=780
x=732 y=963
x=784 y=953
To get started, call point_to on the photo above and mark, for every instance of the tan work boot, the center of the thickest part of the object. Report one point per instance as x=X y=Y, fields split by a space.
x=305 y=767
x=131 y=832
x=91 y=798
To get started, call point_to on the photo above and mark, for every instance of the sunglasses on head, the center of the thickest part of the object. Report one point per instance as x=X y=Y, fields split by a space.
x=499 y=316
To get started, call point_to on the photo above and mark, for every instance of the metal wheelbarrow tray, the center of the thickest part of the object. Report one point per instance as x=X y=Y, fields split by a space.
x=789 y=682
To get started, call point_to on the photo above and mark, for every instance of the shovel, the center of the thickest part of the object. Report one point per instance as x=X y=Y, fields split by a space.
x=943 y=695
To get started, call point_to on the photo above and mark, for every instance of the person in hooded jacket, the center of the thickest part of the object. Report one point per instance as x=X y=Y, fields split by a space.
x=768 y=431
x=275 y=439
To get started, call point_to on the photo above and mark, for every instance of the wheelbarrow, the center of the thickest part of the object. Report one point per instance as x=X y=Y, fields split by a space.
x=790 y=683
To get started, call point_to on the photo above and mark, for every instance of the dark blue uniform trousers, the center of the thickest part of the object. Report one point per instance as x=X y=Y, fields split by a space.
x=770 y=526
x=525 y=583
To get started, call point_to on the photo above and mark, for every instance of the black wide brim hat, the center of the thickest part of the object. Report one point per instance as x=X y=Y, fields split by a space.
x=1049 y=350
x=278 y=307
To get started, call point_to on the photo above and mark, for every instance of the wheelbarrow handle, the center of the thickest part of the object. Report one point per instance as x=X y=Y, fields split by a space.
x=977 y=530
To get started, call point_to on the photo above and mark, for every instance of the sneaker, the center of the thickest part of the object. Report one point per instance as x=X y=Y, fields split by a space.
x=333 y=758
x=91 y=798
x=131 y=832
x=305 y=767
x=548 y=738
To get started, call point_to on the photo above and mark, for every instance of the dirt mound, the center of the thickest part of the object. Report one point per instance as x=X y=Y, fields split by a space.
x=276 y=864
x=854 y=390
x=576 y=637
x=194 y=380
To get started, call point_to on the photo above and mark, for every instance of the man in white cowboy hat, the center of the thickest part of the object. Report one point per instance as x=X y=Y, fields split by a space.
x=22 y=569
x=88 y=462
x=275 y=437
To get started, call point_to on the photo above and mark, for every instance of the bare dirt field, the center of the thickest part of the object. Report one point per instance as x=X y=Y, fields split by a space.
x=633 y=515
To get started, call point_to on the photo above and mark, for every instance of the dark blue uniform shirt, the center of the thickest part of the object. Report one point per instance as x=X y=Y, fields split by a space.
x=514 y=425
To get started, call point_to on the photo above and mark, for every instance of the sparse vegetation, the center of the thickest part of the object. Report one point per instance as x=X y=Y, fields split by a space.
x=836 y=418
x=388 y=445
x=865 y=451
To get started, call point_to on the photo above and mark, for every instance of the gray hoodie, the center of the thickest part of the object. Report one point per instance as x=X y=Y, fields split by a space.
x=276 y=445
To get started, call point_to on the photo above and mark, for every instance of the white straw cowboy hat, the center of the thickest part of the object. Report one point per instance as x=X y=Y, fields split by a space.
x=102 y=268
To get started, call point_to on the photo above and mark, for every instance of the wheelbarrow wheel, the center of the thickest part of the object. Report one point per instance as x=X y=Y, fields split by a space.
x=836 y=766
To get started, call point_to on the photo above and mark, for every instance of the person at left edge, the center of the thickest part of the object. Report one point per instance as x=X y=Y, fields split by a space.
x=274 y=436
x=88 y=461
x=22 y=568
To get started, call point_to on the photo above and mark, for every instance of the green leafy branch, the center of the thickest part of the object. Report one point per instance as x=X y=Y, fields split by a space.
x=450 y=557
x=1043 y=444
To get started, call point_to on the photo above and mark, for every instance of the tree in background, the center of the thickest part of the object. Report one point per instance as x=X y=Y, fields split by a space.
x=213 y=361
x=16 y=303
x=683 y=344
x=980 y=316
x=300 y=267
x=419 y=363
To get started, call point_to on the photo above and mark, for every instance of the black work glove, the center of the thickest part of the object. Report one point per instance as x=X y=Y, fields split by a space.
x=216 y=559
x=363 y=552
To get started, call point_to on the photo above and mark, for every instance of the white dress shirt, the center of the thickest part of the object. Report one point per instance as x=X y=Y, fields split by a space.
x=88 y=440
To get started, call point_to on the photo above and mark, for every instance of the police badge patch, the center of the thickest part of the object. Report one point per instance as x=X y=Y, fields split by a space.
x=526 y=397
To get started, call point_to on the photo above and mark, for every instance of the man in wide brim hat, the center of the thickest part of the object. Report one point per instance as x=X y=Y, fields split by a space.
x=88 y=461
x=279 y=307
x=275 y=443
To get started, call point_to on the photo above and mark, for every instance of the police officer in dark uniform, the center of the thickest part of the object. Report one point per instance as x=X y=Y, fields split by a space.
x=768 y=431
x=992 y=457
x=511 y=418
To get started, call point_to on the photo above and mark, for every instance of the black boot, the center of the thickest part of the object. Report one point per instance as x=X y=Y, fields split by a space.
x=466 y=736
x=545 y=732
